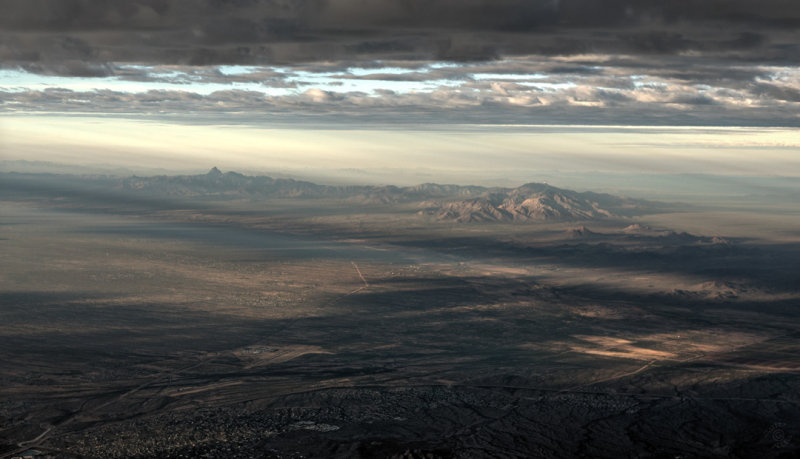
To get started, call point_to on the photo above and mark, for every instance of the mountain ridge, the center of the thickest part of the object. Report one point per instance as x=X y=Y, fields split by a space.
x=443 y=202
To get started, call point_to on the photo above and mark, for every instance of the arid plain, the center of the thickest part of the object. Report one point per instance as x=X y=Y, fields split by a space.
x=210 y=325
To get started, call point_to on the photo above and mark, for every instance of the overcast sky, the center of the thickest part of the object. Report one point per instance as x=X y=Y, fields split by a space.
x=340 y=68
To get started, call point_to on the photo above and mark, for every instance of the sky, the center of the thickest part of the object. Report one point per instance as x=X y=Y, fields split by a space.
x=487 y=90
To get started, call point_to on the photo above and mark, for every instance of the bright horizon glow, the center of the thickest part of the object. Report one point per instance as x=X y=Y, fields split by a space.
x=400 y=116
x=461 y=154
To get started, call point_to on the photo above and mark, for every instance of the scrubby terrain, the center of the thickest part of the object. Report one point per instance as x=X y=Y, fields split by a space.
x=141 y=322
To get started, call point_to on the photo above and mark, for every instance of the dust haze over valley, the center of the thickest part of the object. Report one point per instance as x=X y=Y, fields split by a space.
x=231 y=315
x=399 y=229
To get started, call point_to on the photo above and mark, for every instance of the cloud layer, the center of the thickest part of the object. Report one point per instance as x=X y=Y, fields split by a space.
x=77 y=37
x=694 y=62
x=581 y=89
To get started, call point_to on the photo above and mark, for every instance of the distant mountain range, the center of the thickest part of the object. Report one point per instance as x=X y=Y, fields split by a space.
x=530 y=202
x=535 y=201
x=232 y=185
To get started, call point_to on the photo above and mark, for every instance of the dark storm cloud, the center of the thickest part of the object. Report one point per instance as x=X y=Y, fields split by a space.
x=505 y=61
x=207 y=32
x=74 y=68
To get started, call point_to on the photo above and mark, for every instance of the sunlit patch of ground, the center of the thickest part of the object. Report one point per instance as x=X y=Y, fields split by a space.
x=681 y=345
x=617 y=347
